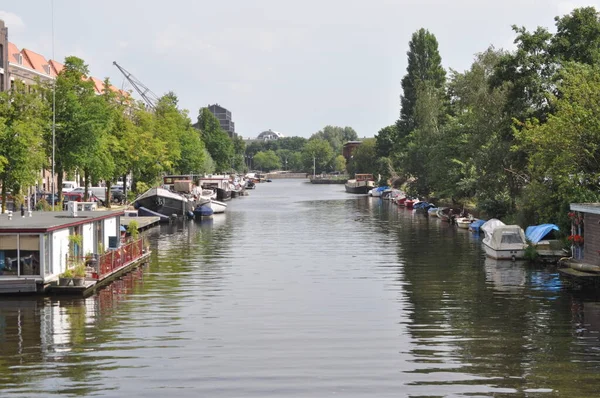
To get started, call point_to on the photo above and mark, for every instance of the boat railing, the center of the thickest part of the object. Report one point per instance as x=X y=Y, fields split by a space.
x=116 y=259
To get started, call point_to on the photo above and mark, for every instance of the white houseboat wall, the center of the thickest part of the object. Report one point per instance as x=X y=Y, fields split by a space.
x=34 y=250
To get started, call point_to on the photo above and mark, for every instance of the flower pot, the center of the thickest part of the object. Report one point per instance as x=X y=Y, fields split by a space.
x=64 y=281
x=78 y=281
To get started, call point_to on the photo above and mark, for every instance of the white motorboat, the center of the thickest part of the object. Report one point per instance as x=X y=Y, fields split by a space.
x=216 y=206
x=464 y=222
x=503 y=242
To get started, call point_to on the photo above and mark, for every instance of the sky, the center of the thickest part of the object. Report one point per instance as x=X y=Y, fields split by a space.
x=290 y=66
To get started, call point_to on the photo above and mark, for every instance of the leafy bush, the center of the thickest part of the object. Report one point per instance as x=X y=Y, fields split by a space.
x=531 y=253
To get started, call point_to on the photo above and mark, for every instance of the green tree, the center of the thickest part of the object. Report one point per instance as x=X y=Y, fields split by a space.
x=474 y=159
x=317 y=152
x=295 y=162
x=284 y=156
x=339 y=163
x=424 y=65
x=364 y=158
x=291 y=143
x=384 y=140
x=421 y=150
x=267 y=161
x=564 y=152
x=80 y=121
x=217 y=142
x=577 y=37
x=527 y=73
x=239 y=150
x=23 y=121
x=336 y=136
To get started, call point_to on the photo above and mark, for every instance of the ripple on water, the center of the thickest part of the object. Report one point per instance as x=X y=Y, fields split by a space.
x=304 y=290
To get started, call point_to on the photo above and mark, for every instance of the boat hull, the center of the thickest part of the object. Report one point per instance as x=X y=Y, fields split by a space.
x=223 y=194
x=504 y=254
x=166 y=206
x=363 y=189
x=216 y=206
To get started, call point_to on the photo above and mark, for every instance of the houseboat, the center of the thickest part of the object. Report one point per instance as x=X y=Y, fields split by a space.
x=161 y=201
x=584 y=263
x=360 y=184
x=220 y=184
x=36 y=248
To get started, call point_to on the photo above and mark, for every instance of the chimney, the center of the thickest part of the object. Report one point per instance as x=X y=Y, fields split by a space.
x=72 y=208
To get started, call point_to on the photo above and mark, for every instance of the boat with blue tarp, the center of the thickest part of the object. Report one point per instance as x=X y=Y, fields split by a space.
x=546 y=241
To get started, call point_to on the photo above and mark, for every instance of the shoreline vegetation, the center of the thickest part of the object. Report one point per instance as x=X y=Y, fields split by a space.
x=516 y=136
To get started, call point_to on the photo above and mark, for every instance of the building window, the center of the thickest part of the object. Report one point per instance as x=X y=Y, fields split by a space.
x=20 y=59
x=1 y=56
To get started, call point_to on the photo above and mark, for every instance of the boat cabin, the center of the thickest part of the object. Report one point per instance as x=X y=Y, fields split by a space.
x=36 y=248
x=363 y=177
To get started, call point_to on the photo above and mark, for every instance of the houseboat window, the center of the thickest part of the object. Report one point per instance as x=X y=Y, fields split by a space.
x=48 y=270
x=9 y=259
x=29 y=254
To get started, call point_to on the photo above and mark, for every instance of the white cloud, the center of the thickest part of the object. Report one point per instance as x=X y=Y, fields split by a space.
x=12 y=21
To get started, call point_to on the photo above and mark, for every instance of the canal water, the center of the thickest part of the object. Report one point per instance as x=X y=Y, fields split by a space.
x=302 y=290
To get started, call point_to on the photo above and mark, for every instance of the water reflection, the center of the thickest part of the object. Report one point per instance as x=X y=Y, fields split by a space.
x=506 y=275
x=303 y=290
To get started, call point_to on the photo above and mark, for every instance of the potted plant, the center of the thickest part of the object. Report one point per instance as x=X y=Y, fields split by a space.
x=66 y=277
x=79 y=274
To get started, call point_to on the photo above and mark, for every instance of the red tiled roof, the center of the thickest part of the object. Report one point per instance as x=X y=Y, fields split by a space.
x=13 y=53
x=98 y=85
x=55 y=67
x=37 y=61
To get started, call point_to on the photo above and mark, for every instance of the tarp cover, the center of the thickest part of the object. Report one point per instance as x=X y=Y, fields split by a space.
x=506 y=237
x=536 y=233
x=476 y=225
x=489 y=226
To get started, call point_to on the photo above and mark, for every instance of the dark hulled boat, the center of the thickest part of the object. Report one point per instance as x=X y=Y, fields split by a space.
x=361 y=184
x=165 y=202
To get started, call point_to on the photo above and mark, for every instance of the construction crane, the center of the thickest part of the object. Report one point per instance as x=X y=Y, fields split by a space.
x=149 y=97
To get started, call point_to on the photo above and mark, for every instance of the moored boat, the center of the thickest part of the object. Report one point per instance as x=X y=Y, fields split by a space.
x=361 y=184
x=432 y=211
x=543 y=238
x=167 y=203
x=503 y=242
x=377 y=192
x=220 y=184
x=464 y=222
x=216 y=206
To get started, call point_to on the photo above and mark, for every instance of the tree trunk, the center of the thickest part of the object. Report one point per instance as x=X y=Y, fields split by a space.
x=59 y=180
x=86 y=176
x=107 y=195
x=124 y=186
x=3 y=197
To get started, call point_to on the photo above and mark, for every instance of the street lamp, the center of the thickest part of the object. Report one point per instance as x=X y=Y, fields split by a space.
x=314 y=165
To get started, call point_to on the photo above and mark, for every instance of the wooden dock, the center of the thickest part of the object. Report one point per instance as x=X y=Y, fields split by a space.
x=143 y=222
